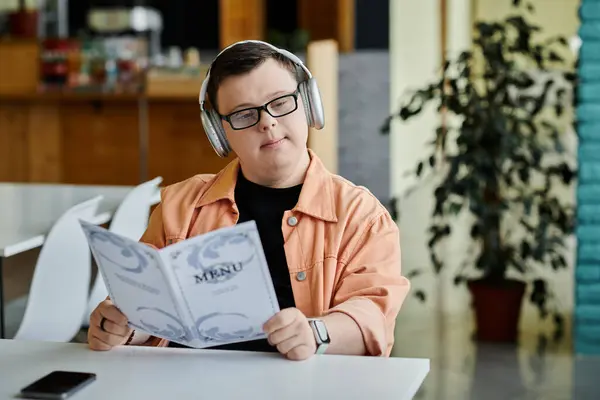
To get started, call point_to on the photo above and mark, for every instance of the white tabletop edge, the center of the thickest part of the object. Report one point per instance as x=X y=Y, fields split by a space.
x=148 y=367
x=38 y=241
x=22 y=247
x=422 y=375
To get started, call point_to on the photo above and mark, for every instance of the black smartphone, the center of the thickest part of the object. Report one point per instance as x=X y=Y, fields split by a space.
x=57 y=385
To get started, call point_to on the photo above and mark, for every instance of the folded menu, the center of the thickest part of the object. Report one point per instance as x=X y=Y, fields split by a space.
x=208 y=290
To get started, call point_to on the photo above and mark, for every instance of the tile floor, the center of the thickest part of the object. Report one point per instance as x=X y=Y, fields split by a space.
x=464 y=369
x=460 y=367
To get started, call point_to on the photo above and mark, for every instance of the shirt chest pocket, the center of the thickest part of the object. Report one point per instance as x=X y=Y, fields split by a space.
x=305 y=242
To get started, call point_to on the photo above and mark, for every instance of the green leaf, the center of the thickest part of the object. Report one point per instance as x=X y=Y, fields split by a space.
x=419 y=294
x=432 y=161
x=524 y=174
x=385 y=127
x=475 y=231
x=459 y=280
x=527 y=205
x=413 y=273
x=525 y=250
x=559 y=327
x=518 y=265
x=455 y=208
x=570 y=76
x=419 y=169
x=437 y=264
x=555 y=57
x=539 y=296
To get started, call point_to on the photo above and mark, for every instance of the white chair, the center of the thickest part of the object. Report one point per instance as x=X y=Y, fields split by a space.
x=130 y=220
x=60 y=285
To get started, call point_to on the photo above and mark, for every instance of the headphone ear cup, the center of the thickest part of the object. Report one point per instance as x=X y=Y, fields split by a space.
x=306 y=103
x=214 y=132
x=220 y=133
x=313 y=105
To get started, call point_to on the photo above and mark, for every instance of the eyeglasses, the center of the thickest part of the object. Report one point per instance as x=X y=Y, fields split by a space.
x=276 y=108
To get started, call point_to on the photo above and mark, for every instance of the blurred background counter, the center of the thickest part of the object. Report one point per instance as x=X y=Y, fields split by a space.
x=106 y=91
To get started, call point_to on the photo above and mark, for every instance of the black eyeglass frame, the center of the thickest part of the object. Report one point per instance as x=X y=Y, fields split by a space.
x=265 y=106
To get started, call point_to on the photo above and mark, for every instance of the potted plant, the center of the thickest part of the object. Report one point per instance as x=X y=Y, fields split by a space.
x=502 y=163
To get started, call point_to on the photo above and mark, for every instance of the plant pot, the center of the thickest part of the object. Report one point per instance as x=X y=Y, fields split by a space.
x=497 y=309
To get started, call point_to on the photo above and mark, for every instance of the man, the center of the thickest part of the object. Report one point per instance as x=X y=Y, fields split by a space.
x=333 y=250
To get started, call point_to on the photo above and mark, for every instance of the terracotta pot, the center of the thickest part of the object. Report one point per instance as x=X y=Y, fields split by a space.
x=497 y=309
x=23 y=24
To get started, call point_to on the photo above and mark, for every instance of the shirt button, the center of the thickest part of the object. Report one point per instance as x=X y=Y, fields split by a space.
x=301 y=276
x=292 y=221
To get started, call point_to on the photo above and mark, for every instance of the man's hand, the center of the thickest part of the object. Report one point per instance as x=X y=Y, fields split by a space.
x=290 y=332
x=116 y=330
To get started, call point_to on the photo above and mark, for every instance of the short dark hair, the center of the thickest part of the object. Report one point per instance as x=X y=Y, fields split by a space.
x=241 y=59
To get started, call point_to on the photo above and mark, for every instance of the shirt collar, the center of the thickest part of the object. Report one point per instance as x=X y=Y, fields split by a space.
x=316 y=198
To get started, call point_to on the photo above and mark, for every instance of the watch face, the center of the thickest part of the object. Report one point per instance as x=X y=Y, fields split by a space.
x=321 y=331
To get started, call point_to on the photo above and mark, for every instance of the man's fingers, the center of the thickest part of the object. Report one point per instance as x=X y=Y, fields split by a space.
x=299 y=353
x=277 y=337
x=108 y=338
x=109 y=325
x=281 y=320
x=97 y=344
x=283 y=334
x=288 y=344
x=113 y=314
x=115 y=329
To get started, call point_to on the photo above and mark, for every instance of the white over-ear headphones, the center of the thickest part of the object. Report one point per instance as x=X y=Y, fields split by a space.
x=313 y=107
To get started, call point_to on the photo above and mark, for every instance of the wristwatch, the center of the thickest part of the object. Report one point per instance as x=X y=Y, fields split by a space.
x=321 y=335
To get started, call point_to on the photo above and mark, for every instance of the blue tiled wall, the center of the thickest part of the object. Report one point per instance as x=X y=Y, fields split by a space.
x=587 y=275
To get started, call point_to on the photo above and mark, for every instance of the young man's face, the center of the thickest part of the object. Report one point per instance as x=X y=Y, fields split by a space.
x=275 y=146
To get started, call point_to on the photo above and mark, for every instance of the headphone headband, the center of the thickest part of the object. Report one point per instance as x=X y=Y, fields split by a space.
x=283 y=52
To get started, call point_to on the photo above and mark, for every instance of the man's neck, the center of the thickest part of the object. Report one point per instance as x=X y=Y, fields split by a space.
x=285 y=180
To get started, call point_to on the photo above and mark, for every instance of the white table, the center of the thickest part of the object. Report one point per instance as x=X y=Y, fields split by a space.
x=28 y=211
x=165 y=373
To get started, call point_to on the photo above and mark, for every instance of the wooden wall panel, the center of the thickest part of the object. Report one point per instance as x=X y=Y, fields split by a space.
x=346 y=25
x=83 y=142
x=241 y=20
x=178 y=146
x=19 y=66
x=44 y=143
x=14 y=156
x=100 y=143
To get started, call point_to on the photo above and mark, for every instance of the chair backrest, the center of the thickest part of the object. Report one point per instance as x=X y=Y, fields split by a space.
x=60 y=284
x=129 y=220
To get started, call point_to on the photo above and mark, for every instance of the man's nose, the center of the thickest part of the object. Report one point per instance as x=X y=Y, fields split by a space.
x=267 y=122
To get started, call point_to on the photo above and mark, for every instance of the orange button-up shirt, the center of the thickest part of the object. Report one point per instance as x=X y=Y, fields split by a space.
x=341 y=245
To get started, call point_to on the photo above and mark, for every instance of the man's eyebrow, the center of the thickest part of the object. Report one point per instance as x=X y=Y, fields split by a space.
x=271 y=96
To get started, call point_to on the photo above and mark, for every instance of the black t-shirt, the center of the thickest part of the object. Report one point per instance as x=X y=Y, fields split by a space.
x=266 y=206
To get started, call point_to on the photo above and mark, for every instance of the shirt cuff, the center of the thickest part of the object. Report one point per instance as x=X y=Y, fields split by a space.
x=371 y=322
